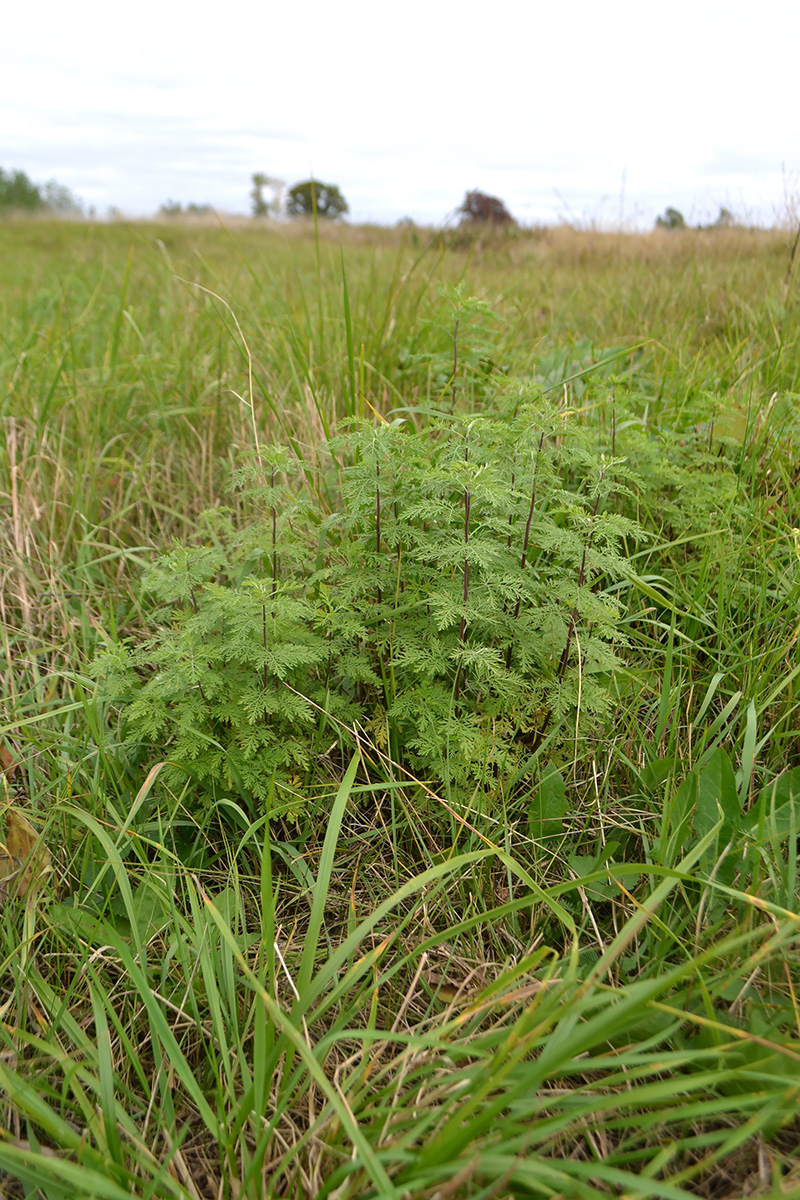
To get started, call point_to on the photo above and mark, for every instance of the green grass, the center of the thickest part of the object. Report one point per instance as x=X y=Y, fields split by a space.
x=579 y=982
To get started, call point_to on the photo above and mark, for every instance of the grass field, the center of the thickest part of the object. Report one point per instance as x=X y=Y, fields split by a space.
x=414 y=812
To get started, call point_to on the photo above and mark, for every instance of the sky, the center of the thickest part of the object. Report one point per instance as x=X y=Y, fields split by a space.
x=599 y=114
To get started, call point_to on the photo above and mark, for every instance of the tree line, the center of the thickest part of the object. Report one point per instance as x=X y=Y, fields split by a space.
x=269 y=197
x=18 y=193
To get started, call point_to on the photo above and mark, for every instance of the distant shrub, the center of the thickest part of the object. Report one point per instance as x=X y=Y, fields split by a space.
x=459 y=605
x=671 y=218
x=173 y=208
x=59 y=199
x=725 y=220
x=17 y=191
x=326 y=198
x=481 y=209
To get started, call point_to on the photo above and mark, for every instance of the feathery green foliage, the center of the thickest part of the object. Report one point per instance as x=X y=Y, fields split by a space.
x=457 y=606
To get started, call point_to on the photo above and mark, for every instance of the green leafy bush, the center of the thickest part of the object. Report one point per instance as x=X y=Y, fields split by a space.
x=313 y=196
x=455 y=607
x=19 y=193
x=672 y=218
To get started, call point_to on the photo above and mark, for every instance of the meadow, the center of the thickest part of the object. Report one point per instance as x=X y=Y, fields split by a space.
x=399 y=725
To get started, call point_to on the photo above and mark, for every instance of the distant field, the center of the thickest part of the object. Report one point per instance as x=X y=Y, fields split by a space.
x=114 y=344
x=426 y=824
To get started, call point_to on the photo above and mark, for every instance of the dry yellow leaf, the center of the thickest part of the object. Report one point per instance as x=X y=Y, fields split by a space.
x=7 y=873
x=447 y=989
x=24 y=860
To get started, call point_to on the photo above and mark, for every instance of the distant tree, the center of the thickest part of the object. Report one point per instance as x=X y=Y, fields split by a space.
x=61 y=200
x=261 y=206
x=173 y=208
x=726 y=219
x=480 y=209
x=326 y=197
x=672 y=218
x=18 y=192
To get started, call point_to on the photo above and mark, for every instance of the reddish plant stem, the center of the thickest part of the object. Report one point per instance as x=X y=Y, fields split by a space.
x=378 y=529
x=265 y=677
x=274 y=545
x=462 y=633
x=511 y=514
x=526 y=539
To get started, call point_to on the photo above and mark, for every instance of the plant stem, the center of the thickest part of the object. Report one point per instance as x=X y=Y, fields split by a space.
x=462 y=633
x=526 y=538
x=513 y=481
x=274 y=544
x=265 y=677
x=573 y=616
x=378 y=529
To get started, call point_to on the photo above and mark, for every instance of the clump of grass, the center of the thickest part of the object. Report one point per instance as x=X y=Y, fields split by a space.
x=263 y=1034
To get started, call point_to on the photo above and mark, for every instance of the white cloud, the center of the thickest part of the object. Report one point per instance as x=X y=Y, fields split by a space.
x=408 y=107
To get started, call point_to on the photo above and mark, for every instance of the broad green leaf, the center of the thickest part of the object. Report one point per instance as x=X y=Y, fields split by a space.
x=717 y=796
x=657 y=772
x=548 y=806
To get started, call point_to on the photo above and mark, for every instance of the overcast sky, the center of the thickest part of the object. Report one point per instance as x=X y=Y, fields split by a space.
x=584 y=111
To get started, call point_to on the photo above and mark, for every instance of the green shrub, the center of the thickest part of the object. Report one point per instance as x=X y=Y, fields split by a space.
x=672 y=218
x=312 y=196
x=18 y=192
x=455 y=607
